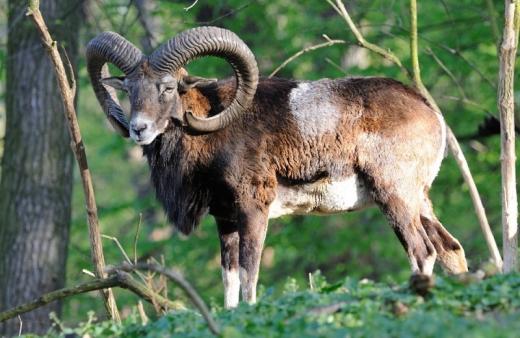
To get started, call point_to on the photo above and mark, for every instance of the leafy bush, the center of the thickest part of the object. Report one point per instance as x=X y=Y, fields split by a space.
x=351 y=308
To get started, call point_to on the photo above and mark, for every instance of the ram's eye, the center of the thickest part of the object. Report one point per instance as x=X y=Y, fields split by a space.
x=168 y=90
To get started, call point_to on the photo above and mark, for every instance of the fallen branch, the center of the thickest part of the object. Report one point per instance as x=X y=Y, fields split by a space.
x=67 y=90
x=451 y=139
x=47 y=298
x=179 y=280
x=117 y=279
x=305 y=50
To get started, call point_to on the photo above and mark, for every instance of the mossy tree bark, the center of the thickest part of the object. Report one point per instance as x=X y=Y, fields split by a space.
x=36 y=182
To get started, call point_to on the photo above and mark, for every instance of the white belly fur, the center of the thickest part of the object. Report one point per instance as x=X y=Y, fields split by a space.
x=322 y=197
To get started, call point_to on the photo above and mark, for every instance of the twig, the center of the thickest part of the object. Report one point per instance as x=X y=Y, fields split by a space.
x=493 y=20
x=78 y=149
x=191 y=6
x=123 y=252
x=470 y=64
x=178 y=279
x=137 y=236
x=115 y=240
x=447 y=71
x=121 y=27
x=475 y=198
x=144 y=292
x=142 y=313
x=454 y=51
x=451 y=140
x=342 y=11
x=71 y=71
x=88 y=273
x=21 y=326
x=414 y=53
x=335 y=65
x=469 y=102
x=303 y=51
x=225 y=15
x=506 y=106
x=116 y=279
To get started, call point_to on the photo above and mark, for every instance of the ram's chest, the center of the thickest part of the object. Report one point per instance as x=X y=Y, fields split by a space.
x=322 y=197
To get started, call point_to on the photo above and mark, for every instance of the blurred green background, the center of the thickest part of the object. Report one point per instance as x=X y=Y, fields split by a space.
x=459 y=65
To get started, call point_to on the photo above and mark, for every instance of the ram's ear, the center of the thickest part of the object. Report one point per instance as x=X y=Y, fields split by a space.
x=187 y=82
x=116 y=82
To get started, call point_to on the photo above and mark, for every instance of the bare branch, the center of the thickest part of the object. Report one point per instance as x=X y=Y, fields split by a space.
x=79 y=150
x=447 y=71
x=303 y=51
x=116 y=279
x=335 y=65
x=469 y=102
x=21 y=326
x=191 y=6
x=120 y=247
x=342 y=11
x=136 y=238
x=179 y=280
x=493 y=20
x=96 y=284
x=414 y=53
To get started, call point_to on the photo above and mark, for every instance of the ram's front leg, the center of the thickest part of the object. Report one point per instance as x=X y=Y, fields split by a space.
x=228 y=234
x=252 y=230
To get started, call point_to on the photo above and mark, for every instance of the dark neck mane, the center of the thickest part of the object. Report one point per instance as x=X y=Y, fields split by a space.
x=184 y=199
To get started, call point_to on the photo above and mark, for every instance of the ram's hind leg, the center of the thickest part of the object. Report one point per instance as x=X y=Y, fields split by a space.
x=450 y=253
x=228 y=234
x=406 y=223
x=401 y=204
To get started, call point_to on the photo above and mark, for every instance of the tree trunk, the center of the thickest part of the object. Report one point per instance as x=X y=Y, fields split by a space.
x=150 y=24
x=36 y=183
x=506 y=106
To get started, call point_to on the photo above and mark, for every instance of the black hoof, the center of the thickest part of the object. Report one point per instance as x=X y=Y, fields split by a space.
x=421 y=284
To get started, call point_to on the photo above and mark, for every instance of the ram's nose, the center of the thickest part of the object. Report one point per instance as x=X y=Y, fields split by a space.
x=138 y=126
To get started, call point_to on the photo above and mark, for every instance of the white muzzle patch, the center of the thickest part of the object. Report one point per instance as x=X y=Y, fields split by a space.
x=143 y=130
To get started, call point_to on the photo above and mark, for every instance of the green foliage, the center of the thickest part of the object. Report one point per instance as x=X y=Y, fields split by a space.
x=351 y=308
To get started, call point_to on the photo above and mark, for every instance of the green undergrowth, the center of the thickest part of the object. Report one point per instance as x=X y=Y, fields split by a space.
x=351 y=308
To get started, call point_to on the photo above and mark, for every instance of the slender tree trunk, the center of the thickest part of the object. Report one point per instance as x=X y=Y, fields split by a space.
x=36 y=183
x=150 y=24
x=506 y=106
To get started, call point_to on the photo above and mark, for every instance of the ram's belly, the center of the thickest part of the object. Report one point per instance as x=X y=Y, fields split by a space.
x=322 y=197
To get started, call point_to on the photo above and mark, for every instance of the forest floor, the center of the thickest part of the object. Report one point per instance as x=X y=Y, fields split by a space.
x=350 y=308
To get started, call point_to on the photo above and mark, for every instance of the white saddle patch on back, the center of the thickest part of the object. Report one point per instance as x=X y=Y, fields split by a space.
x=322 y=198
x=312 y=109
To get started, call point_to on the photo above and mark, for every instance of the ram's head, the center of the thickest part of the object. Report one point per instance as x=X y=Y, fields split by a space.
x=155 y=83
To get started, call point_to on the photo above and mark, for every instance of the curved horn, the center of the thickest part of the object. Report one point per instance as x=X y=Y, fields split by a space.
x=113 y=48
x=214 y=41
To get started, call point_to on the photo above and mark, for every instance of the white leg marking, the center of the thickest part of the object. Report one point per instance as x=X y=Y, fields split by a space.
x=231 y=287
x=248 y=287
x=428 y=265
